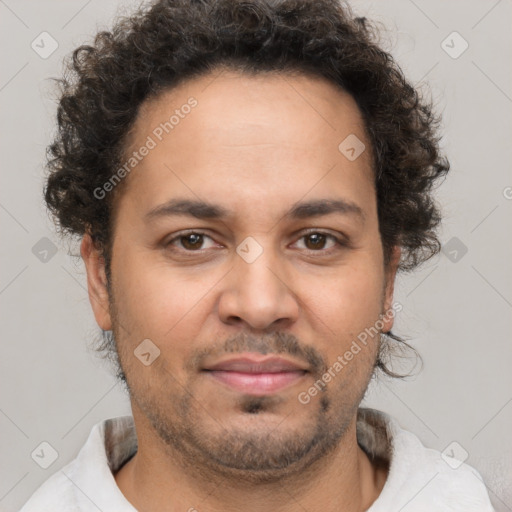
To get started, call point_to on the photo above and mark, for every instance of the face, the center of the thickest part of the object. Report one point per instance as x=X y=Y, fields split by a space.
x=247 y=251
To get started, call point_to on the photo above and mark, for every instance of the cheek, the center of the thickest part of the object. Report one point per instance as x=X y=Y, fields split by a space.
x=159 y=302
x=349 y=302
x=361 y=287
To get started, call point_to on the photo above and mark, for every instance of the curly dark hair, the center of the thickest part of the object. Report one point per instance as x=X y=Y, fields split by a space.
x=167 y=42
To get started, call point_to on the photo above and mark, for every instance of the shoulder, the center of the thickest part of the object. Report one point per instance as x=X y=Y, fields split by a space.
x=423 y=479
x=56 y=493
x=440 y=479
x=87 y=483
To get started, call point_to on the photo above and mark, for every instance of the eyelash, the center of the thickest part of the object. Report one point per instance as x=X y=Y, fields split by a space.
x=339 y=242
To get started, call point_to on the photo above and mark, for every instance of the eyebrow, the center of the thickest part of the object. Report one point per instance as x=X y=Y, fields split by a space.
x=205 y=210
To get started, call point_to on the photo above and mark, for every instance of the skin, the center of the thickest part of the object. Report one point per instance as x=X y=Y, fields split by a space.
x=255 y=145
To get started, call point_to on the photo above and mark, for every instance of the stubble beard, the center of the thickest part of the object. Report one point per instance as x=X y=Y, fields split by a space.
x=268 y=454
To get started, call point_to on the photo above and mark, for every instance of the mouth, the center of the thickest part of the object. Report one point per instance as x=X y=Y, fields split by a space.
x=255 y=374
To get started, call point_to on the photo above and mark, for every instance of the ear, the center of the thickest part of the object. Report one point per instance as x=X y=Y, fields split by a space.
x=96 y=282
x=390 y=276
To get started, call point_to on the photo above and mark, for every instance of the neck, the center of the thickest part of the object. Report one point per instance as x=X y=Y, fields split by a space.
x=158 y=478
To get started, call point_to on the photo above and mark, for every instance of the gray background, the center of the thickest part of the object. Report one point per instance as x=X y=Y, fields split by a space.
x=457 y=308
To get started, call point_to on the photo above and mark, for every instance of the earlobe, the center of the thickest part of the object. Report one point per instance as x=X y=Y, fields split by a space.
x=96 y=282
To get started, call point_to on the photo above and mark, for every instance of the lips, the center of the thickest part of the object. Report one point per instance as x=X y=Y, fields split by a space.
x=249 y=365
x=256 y=375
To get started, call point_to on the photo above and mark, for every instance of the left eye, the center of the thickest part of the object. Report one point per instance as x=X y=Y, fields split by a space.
x=317 y=240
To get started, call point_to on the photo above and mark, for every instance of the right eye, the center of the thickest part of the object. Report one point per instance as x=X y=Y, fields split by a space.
x=190 y=241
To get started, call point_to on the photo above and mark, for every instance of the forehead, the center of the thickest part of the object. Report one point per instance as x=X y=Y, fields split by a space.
x=228 y=132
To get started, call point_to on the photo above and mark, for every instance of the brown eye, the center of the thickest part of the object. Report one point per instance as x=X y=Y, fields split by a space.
x=317 y=241
x=192 y=241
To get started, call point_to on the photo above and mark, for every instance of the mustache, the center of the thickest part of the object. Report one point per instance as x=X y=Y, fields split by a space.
x=273 y=343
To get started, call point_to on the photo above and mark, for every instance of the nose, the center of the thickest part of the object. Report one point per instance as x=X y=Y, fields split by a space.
x=258 y=294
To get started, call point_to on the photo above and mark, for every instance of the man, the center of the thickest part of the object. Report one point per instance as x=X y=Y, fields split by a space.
x=247 y=178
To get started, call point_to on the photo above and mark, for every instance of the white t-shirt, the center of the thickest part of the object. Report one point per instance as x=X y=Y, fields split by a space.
x=419 y=479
